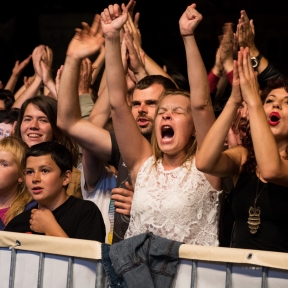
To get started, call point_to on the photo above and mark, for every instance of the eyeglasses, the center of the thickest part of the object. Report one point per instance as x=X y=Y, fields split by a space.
x=2 y=134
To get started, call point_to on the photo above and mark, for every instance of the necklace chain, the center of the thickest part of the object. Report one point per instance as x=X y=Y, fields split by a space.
x=258 y=194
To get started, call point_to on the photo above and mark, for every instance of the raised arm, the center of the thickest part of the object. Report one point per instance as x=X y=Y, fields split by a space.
x=113 y=20
x=211 y=158
x=246 y=38
x=18 y=68
x=85 y=43
x=270 y=150
x=202 y=110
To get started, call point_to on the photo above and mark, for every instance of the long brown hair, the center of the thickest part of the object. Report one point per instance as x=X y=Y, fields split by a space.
x=18 y=149
x=48 y=106
x=191 y=146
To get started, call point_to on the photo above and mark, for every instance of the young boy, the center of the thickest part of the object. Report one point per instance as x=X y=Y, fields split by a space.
x=48 y=172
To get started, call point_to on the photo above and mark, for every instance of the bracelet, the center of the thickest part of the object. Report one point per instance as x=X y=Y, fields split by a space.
x=184 y=35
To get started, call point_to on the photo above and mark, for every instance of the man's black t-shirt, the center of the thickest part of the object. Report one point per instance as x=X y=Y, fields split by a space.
x=78 y=218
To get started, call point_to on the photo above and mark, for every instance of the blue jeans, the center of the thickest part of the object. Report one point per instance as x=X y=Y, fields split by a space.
x=143 y=261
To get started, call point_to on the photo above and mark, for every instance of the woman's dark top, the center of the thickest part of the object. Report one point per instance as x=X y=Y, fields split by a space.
x=273 y=202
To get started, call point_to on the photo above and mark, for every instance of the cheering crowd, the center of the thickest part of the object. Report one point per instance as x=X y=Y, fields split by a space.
x=141 y=154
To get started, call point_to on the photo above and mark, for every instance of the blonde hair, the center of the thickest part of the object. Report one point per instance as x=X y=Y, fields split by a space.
x=18 y=149
x=191 y=146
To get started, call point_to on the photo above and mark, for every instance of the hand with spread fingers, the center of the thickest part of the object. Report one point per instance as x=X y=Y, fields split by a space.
x=189 y=21
x=123 y=199
x=86 y=41
x=18 y=68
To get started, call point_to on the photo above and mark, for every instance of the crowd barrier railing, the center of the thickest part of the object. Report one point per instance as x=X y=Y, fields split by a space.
x=28 y=261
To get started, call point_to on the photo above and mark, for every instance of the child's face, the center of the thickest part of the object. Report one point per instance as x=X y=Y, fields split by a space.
x=5 y=130
x=9 y=173
x=45 y=182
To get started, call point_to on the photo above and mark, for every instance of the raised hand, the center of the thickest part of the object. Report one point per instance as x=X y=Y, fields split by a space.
x=236 y=92
x=247 y=76
x=20 y=66
x=135 y=61
x=86 y=41
x=46 y=65
x=58 y=77
x=189 y=20
x=85 y=77
x=113 y=18
x=245 y=31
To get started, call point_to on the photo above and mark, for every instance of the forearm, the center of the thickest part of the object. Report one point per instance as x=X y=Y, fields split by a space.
x=30 y=92
x=52 y=88
x=19 y=91
x=98 y=64
x=209 y=155
x=55 y=229
x=101 y=110
x=68 y=100
x=197 y=74
x=263 y=61
x=11 y=83
x=115 y=78
x=152 y=68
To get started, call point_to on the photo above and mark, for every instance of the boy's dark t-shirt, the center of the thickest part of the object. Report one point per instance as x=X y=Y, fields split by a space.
x=78 y=218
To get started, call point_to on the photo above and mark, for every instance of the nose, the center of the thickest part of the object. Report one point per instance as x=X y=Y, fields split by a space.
x=166 y=116
x=276 y=104
x=35 y=178
x=34 y=124
x=142 y=108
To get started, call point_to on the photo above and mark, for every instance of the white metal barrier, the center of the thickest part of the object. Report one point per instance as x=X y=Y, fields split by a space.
x=42 y=261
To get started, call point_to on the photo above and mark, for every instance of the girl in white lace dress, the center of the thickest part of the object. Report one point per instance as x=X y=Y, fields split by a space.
x=172 y=198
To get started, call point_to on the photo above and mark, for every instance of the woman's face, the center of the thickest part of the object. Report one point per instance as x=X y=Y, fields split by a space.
x=276 y=109
x=35 y=127
x=174 y=124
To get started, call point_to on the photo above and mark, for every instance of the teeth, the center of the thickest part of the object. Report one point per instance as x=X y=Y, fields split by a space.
x=34 y=135
x=166 y=127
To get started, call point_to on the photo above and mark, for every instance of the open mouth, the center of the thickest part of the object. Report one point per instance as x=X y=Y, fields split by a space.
x=167 y=132
x=142 y=121
x=274 y=118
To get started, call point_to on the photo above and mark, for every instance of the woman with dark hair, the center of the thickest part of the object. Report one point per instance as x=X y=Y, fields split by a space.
x=259 y=168
x=37 y=123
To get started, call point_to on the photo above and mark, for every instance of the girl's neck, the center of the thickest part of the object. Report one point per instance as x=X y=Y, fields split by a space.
x=170 y=162
x=6 y=198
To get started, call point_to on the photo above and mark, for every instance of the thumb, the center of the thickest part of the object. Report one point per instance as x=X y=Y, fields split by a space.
x=129 y=186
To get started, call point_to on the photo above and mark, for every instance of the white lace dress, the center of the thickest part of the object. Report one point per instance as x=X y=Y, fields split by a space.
x=178 y=204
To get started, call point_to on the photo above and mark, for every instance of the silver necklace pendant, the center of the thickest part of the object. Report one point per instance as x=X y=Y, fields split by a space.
x=254 y=219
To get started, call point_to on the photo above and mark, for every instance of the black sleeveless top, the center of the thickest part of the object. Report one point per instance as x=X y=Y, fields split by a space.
x=273 y=202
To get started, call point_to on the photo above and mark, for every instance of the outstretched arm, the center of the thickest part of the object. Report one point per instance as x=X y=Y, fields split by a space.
x=271 y=153
x=113 y=20
x=201 y=105
x=96 y=140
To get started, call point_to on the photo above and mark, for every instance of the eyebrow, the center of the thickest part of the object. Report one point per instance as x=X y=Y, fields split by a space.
x=276 y=96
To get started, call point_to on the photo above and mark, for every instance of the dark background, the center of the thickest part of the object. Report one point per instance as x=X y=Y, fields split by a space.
x=24 y=25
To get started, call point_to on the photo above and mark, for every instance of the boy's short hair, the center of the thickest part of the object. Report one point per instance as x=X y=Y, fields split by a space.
x=59 y=153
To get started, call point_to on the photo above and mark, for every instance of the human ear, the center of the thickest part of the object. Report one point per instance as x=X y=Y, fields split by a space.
x=67 y=176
